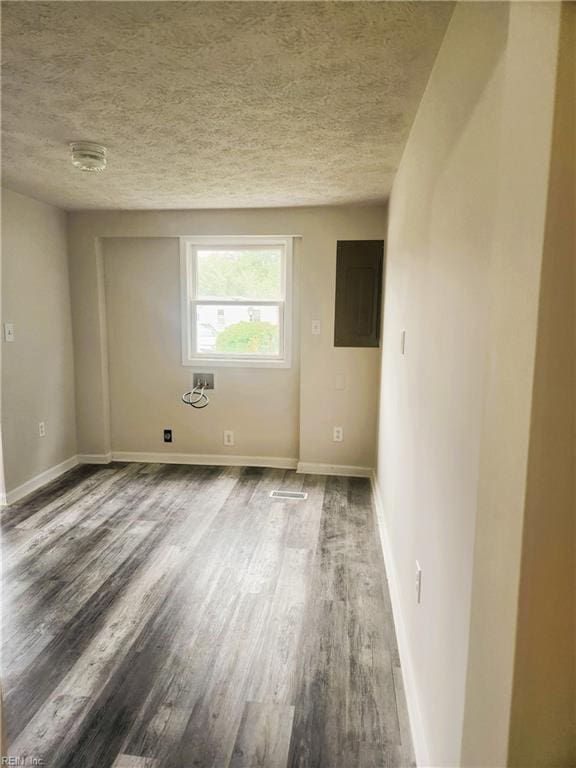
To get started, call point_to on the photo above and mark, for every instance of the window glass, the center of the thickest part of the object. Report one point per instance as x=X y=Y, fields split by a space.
x=251 y=273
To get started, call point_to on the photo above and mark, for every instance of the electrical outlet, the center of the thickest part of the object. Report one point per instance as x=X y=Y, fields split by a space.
x=316 y=328
x=228 y=437
x=339 y=382
x=418 y=583
x=338 y=434
x=167 y=435
x=42 y=428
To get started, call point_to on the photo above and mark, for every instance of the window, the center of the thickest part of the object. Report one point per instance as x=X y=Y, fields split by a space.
x=236 y=301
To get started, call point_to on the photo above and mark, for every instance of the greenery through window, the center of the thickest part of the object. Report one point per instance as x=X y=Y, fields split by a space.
x=239 y=274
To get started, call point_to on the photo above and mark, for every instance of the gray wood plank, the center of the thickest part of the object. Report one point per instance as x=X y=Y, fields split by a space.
x=273 y=680
x=263 y=738
x=304 y=516
x=132 y=761
x=208 y=739
x=319 y=734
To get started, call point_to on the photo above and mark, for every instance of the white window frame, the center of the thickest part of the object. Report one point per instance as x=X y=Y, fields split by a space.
x=188 y=300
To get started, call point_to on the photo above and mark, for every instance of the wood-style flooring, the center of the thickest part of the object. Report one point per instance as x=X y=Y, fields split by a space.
x=161 y=616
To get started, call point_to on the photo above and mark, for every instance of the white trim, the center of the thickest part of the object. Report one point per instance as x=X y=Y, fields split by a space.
x=222 y=362
x=198 y=238
x=308 y=468
x=11 y=497
x=421 y=749
x=188 y=297
x=95 y=458
x=239 y=303
x=238 y=239
x=217 y=460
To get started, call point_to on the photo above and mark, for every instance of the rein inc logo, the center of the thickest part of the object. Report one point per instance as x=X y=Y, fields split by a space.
x=16 y=760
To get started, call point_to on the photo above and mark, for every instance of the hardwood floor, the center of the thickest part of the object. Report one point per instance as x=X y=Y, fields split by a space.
x=161 y=616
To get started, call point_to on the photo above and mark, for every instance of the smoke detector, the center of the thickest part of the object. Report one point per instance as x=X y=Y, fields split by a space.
x=88 y=156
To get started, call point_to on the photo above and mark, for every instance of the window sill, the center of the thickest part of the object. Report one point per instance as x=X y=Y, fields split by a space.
x=215 y=362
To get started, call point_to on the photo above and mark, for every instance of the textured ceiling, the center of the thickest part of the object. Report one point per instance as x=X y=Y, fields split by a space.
x=213 y=104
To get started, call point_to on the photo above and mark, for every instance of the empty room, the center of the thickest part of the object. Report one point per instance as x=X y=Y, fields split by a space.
x=288 y=384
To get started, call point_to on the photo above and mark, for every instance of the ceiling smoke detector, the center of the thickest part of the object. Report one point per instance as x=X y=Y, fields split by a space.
x=88 y=156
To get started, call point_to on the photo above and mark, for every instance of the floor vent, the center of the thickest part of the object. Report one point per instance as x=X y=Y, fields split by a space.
x=288 y=495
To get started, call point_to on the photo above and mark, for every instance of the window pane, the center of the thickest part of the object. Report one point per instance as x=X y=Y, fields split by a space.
x=241 y=330
x=239 y=273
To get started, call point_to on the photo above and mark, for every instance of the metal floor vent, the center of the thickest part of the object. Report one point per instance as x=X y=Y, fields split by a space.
x=288 y=495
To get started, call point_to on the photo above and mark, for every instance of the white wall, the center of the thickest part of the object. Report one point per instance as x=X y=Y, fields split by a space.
x=466 y=223
x=286 y=414
x=37 y=368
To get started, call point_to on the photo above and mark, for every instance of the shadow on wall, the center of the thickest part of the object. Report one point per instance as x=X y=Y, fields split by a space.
x=543 y=716
x=455 y=102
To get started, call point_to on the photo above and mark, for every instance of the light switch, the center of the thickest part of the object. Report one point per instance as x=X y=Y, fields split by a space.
x=9 y=332
x=418 y=583
x=403 y=342
x=315 y=327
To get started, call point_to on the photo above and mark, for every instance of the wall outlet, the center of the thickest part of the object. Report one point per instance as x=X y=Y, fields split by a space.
x=228 y=437
x=9 y=334
x=340 y=382
x=316 y=327
x=418 y=583
x=338 y=434
x=42 y=428
x=205 y=380
x=167 y=435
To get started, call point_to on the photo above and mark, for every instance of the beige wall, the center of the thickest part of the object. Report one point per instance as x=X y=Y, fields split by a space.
x=466 y=229
x=515 y=272
x=543 y=722
x=147 y=379
x=37 y=368
x=440 y=227
x=285 y=413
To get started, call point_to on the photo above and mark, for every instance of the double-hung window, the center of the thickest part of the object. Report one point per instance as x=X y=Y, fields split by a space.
x=236 y=300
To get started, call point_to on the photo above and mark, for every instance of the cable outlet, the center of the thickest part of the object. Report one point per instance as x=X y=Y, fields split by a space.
x=418 y=583
x=167 y=435
x=228 y=437
x=205 y=380
x=42 y=428
x=338 y=434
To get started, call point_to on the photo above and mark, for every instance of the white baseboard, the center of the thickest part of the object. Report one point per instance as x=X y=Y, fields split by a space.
x=333 y=469
x=95 y=458
x=217 y=460
x=421 y=749
x=274 y=462
x=11 y=497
